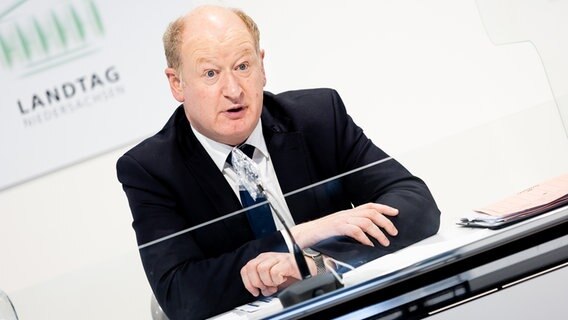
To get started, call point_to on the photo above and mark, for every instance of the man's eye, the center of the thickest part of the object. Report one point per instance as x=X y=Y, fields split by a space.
x=210 y=74
x=242 y=66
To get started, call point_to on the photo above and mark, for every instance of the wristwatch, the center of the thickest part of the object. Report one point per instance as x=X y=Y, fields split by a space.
x=318 y=259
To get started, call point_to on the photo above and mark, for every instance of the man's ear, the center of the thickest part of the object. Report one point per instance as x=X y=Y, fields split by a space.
x=262 y=65
x=175 y=84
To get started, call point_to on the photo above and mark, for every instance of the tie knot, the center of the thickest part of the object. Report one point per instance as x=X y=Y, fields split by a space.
x=247 y=149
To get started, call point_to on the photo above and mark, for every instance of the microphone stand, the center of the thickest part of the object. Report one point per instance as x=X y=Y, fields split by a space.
x=298 y=254
x=309 y=286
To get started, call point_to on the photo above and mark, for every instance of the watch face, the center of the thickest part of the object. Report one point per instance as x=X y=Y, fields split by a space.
x=311 y=252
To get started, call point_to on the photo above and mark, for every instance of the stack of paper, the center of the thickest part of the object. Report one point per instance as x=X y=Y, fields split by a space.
x=535 y=200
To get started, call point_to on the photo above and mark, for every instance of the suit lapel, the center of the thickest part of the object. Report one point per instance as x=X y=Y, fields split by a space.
x=213 y=183
x=290 y=158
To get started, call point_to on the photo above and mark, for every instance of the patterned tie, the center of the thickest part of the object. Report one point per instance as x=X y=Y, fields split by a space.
x=260 y=218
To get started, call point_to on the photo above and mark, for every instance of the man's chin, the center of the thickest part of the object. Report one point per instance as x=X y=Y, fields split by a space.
x=234 y=138
x=236 y=133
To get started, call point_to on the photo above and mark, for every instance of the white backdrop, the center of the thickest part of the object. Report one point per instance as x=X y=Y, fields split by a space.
x=99 y=83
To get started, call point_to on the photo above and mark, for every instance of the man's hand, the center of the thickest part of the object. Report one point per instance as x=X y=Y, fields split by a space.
x=271 y=271
x=367 y=219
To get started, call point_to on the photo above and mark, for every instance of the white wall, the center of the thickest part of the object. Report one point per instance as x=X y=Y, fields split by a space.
x=421 y=77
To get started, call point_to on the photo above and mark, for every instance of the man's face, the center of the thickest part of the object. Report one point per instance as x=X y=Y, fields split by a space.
x=222 y=79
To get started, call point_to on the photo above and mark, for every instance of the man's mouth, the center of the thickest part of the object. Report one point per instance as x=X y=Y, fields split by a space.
x=236 y=112
x=235 y=109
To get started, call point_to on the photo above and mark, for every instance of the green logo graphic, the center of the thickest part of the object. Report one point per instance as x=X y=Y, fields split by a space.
x=32 y=44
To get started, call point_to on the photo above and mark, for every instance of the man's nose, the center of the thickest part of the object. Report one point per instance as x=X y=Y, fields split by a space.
x=232 y=88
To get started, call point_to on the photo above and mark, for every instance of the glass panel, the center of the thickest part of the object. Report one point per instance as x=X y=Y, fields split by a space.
x=196 y=271
x=464 y=172
x=7 y=311
x=544 y=25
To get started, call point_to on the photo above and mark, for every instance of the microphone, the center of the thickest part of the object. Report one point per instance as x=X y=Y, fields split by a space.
x=309 y=286
x=298 y=254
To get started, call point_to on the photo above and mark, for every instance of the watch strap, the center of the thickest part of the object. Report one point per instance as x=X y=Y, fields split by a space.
x=318 y=259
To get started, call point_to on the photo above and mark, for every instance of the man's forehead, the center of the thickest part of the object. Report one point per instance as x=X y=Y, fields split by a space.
x=210 y=33
x=213 y=37
x=214 y=22
x=206 y=43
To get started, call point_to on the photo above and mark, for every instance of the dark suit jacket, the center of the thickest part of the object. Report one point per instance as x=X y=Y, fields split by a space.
x=172 y=184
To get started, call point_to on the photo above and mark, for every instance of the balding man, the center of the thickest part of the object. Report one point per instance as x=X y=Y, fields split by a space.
x=180 y=177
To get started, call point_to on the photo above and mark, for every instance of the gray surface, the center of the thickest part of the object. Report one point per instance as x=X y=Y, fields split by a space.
x=544 y=297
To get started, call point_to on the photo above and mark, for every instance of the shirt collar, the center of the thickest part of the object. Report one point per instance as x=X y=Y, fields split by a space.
x=220 y=151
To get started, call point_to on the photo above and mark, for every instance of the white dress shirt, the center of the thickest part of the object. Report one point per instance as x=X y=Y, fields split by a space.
x=219 y=153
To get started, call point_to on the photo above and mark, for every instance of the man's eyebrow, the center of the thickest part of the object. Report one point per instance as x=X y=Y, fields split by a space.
x=202 y=60
x=247 y=51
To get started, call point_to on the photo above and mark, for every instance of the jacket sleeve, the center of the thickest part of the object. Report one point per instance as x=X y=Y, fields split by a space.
x=187 y=283
x=376 y=177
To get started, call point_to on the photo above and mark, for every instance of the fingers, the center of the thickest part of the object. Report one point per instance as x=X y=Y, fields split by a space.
x=251 y=281
x=376 y=212
x=381 y=208
x=269 y=291
x=267 y=276
x=356 y=232
x=263 y=274
x=359 y=223
x=371 y=228
x=380 y=220
x=368 y=220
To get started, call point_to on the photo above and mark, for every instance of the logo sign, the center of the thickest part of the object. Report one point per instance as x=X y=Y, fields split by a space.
x=49 y=38
x=77 y=81
x=52 y=58
x=43 y=42
x=67 y=97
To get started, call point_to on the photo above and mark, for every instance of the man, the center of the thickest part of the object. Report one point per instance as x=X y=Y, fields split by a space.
x=180 y=178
